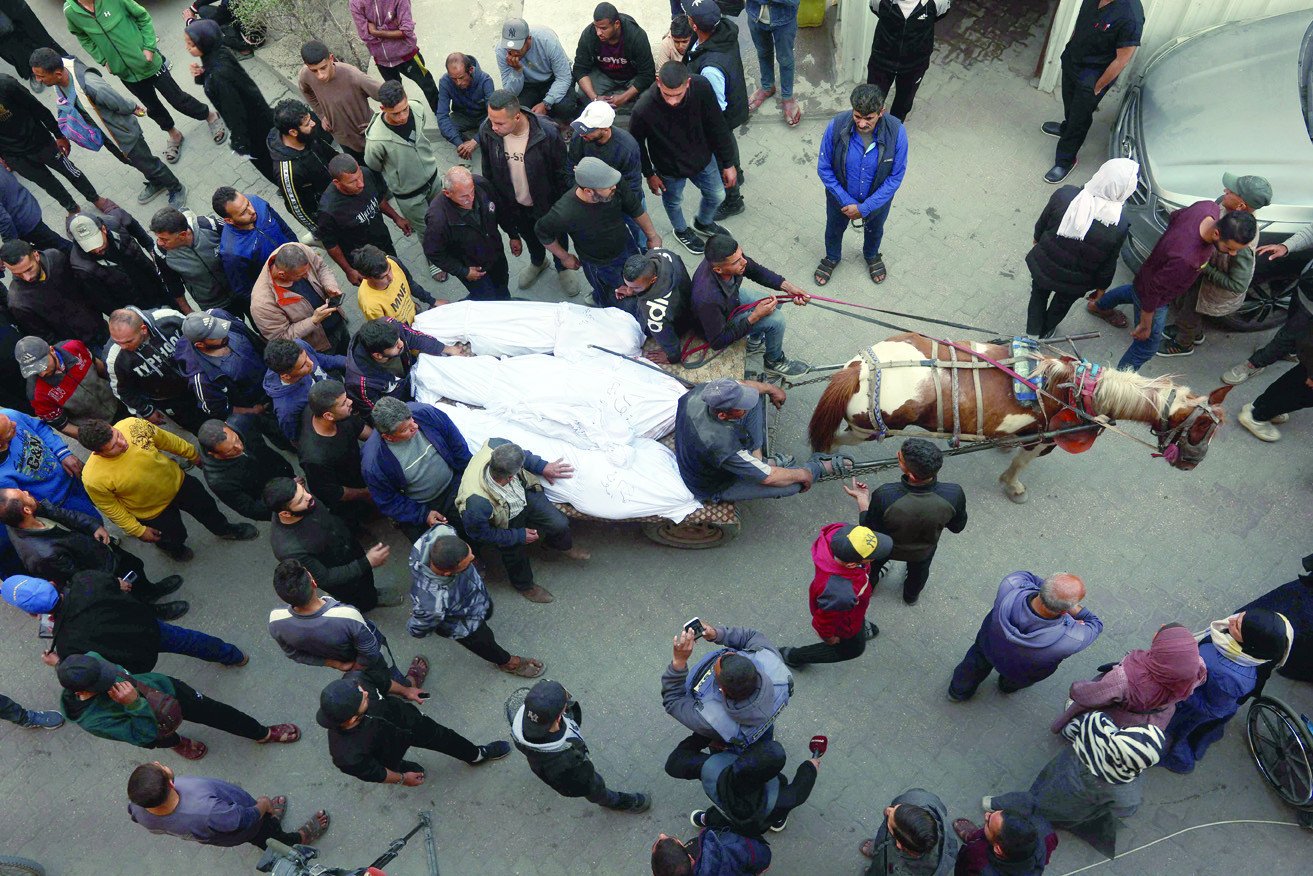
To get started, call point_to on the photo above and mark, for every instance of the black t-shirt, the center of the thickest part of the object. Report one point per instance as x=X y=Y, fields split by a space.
x=331 y=463
x=598 y=230
x=351 y=221
x=1099 y=33
x=405 y=129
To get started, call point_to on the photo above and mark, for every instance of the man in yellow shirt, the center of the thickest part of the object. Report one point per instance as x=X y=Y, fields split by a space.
x=387 y=289
x=143 y=491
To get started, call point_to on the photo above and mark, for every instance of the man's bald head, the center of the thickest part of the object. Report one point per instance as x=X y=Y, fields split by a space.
x=1061 y=592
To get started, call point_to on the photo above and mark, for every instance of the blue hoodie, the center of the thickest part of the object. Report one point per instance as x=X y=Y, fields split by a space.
x=244 y=252
x=1023 y=646
x=725 y=853
x=19 y=211
x=290 y=399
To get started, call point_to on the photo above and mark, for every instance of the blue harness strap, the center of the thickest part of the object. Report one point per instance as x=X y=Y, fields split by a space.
x=1026 y=353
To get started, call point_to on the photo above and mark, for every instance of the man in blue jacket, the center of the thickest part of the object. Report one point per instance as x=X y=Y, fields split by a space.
x=221 y=360
x=463 y=94
x=20 y=216
x=413 y=464
x=252 y=230
x=1035 y=625
x=34 y=458
x=862 y=161
x=718 y=852
x=295 y=366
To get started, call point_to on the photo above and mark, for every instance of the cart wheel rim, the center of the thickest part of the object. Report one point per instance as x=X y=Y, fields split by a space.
x=690 y=536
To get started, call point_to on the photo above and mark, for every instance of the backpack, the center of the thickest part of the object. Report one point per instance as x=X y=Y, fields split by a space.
x=74 y=126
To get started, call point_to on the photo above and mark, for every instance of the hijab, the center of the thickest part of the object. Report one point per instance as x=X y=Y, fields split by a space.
x=1101 y=199
x=1111 y=753
x=1166 y=673
x=1266 y=639
x=206 y=34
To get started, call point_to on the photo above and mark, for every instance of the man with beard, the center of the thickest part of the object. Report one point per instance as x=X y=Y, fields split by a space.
x=598 y=137
x=300 y=159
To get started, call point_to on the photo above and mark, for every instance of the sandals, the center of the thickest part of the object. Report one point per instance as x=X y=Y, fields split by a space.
x=277 y=807
x=1114 y=317
x=867 y=848
x=314 y=828
x=875 y=267
x=964 y=828
x=835 y=463
x=192 y=749
x=173 y=150
x=524 y=667
x=418 y=671
x=217 y=129
x=760 y=96
x=824 y=270
x=792 y=113
x=283 y=734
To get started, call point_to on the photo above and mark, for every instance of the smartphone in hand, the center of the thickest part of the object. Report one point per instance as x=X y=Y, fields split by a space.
x=695 y=627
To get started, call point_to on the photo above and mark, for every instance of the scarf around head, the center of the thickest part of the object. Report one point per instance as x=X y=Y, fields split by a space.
x=1166 y=673
x=1101 y=199
x=206 y=34
x=1267 y=638
x=510 y=494
x=1113 y=754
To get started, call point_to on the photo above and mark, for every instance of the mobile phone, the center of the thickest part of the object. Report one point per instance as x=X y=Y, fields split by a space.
x=695 y=626
x=45 y=628
x=424 y=695
x=818 y=746
x=130 y=577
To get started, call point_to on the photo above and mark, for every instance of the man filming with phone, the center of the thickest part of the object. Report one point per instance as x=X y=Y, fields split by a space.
x=296 y=296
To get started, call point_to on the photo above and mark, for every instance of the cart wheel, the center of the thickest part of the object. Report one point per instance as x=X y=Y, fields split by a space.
x=13 y=866
x=1282 y=748
x=692 y=536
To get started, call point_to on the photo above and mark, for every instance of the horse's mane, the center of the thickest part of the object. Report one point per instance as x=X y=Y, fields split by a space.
x=1119 y=393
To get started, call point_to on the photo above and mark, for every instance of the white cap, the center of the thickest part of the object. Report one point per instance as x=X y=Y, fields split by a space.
x=598 y=114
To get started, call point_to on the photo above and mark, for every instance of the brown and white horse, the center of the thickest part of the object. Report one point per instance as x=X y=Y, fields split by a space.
x=1182 y=421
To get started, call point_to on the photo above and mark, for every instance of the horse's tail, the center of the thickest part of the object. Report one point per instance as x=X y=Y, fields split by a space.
x=830 y=410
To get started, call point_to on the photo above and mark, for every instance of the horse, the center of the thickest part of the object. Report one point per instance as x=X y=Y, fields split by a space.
x=912 y=392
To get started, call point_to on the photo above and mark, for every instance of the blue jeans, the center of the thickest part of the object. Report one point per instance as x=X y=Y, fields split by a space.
x=605 y=277
x=708 y=182
x=775 y=40
x=836 y=224
x=770 y=329
x=635 y=233
x=1138 y=352
x=193 y=643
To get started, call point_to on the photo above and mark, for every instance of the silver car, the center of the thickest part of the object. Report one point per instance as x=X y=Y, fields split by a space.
x=1235 y=97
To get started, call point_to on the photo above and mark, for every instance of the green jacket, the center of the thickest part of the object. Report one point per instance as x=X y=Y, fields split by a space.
x=406 y=166
x=101 y=716
x=115 y=37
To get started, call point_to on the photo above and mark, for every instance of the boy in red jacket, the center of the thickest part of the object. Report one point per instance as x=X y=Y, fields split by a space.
x=840 y=591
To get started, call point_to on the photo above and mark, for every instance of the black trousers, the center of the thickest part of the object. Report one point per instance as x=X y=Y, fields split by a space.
x=483 y=643
x=146 y=163
x=445 y=505
x=36 y=166
x=1078 y=105
x=1284 y=341
x=533 y=93
x=792 y=795
x=195 y=500
x=1047 y=309
x=44 y=237
x=429 y=734
x=272 y=829
x=162 y=84
x=845 y=649
x=1289 y=392
x=524 y=219
x=918 y=571
x=416 y=71
x=183 y=410
x=553 y=530
x=200 y=709
x=904 y=84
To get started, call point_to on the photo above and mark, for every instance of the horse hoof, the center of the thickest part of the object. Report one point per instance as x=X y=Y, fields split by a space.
x=1019 y=498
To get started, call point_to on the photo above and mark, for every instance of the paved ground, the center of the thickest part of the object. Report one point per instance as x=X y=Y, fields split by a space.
x=1154 y=545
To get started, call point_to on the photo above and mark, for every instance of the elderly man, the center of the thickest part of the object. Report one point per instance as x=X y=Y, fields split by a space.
x=463 y=239
x=252 y=230
x=524 y=159
x=413 y=465
x=535 y=68
x=593 y=214
x=339 y=93
x=598 y=137
x=145 y=492
x=143 y=372
x=238 y=464
x=380 y=359
x=34 y=458
x=111 y=257
x=66 y=383
x=463 y=94
x=294 y=369
x=1034 y=625
x=502 y=504
x=613 y=62
x=186 y=254
x=296 y=296
x=656 y=292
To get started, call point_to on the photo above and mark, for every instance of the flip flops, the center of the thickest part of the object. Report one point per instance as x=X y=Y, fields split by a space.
x=760 y=96
x=792 y=112
x=524 y=667
x=418 y=671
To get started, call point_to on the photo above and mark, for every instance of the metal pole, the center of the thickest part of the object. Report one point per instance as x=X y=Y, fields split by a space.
x=426 y=818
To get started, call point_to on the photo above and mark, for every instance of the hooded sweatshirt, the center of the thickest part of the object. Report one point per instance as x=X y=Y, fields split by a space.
x=939 y=861
x=453 y=606
x=290 y=399
x=94 y=614
x=115 y=36
x=560 y=759
x=302 y=174
x=722 y=852
x=839 y=595
x=1025 y=647
x=631 y=61
x=367 y=381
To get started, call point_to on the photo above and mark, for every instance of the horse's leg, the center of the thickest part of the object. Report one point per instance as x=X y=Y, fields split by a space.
x=1012 y=486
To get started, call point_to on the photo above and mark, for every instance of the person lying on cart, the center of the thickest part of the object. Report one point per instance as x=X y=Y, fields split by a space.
x=720 y=436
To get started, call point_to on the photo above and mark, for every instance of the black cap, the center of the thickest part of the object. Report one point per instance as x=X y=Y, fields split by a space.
x=83 y=672
x=338 y=703
x=544 y=703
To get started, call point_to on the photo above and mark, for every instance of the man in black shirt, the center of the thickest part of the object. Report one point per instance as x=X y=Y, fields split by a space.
x=656 y=292
x=351 y=215
x=47 y=299
x=331 y=433
x=238 y=464
x=307 y=531
x=1103 y=42
x=613 y=62
x=596 y=134
x=462 y=237
x=592 y=213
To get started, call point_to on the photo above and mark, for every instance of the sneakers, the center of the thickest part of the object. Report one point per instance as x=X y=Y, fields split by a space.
x=690 y=241
x=634 y=803
x=577 y=553
x=492 y=751
x=1279 y=419
x=786 y=367
x=871 y=630
x=1053 y=129
x=786 y=655
x=1172 y=347
x=1058 y=172
x=730 y=208
x=149 y=192
x=756 y=344
x=170 y=611
x=180 y=554
x=1263 y=430
x=987 y=804
x=240 y=532
x=569 y=281
x=537 y=594
x=37 y=719
x=1240 y=373
x=178 y=198
x=778 y=826
x=529 y=275
x=709 y=230
x=1172 y=331
x=698 y=818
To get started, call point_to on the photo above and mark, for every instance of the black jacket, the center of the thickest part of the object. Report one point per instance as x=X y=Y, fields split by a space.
x=26 y=126
x=722 y=51
x=237 y=99
x=1074 y=267
x=59 y=307
x=454 y=240
x=544 y=164
x=58 y=553
x=634 y=47
x=679 y=141
x=302 y=174
x=664 y=311
x=367 y=381
x=914 y=515
x=148 y=375
x=901 y=44
x=379 y=742
x=125 y=274
x=562 y=763
x=326 y=547
x=94 y=614
x=239 y=482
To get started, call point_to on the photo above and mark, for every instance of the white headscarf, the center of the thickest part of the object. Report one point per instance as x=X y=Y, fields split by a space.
x=1101 y=200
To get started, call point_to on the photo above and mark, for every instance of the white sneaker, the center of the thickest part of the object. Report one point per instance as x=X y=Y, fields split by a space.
x=1279 y=419
x=569 y=281
x=1261 y=429
x=1240 y=373
x=529 y=275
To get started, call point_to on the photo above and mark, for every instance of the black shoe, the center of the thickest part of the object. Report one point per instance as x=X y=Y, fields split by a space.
x=871 y=631
x=954 y=698
x=170 y=611
x=730 y=208
x=241 y=532
x=634 y=803
x=1053 y=129
x=912 y=601
x=780 y=825
x=160 y=588
x=1058 y=172
x=785 y=655
x=708 y=230
x=492 y=751
x=690 y=241
x=180 y=554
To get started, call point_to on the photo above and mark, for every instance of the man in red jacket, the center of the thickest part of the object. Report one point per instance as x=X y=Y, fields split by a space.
x=840 y=592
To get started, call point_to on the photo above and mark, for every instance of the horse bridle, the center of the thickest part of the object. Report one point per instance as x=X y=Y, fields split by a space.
x=1174 y=441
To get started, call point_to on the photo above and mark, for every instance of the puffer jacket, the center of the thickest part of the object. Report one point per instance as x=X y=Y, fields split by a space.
x=721 y=51
x=124 y=274
x=451 y=606
x=216 y=393
x=722 y=852
x=1074 y=267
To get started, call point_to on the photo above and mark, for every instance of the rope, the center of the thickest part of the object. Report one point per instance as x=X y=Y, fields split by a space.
x=1130 y=852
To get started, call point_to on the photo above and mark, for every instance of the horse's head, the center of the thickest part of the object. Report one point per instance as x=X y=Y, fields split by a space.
x=1185 y=427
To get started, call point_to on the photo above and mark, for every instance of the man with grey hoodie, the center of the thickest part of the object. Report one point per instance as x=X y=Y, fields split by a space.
x=1034 y=625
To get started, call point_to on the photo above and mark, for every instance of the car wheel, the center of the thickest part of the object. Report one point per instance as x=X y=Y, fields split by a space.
x=1264 y=307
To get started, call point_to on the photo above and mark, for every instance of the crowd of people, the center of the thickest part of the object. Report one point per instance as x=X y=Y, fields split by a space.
x=229 y=325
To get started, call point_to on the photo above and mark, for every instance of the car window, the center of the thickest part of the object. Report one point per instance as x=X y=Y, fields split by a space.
x=1306 y=79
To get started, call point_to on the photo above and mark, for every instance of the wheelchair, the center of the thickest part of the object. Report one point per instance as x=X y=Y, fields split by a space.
x=1281 y=742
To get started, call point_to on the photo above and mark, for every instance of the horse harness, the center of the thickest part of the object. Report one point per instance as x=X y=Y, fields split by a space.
x=1174 y=443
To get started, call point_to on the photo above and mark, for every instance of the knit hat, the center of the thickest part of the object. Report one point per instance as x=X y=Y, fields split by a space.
x=33 y=595
x=1114 y=754
x=858 y=544
x=594 y=173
